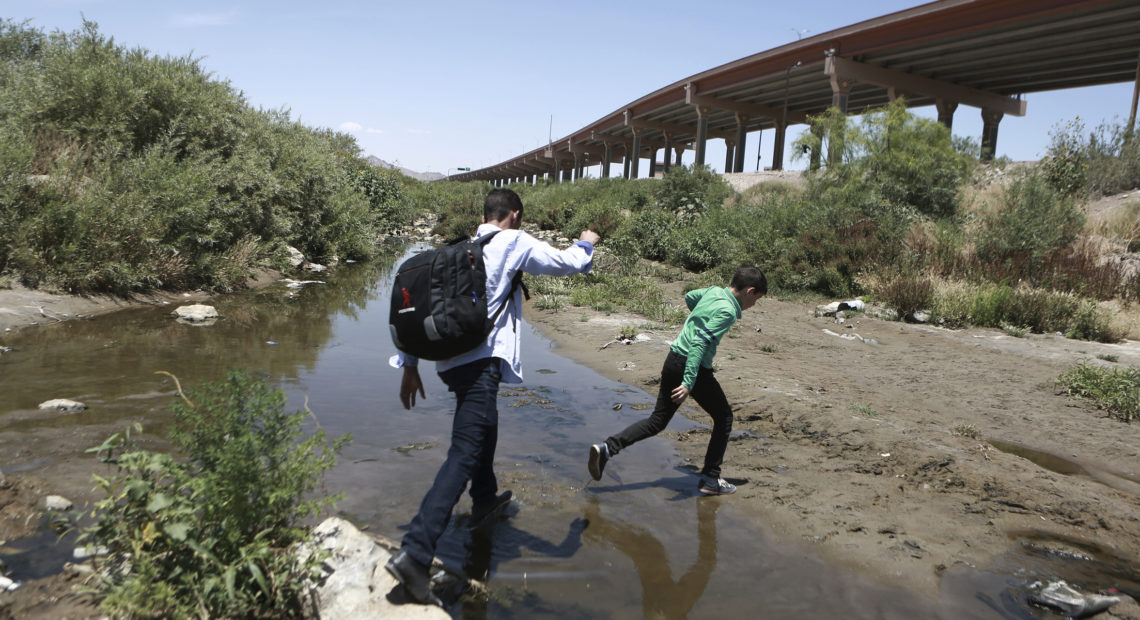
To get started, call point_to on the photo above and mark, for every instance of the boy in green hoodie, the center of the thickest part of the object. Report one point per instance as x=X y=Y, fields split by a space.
x=688 y=371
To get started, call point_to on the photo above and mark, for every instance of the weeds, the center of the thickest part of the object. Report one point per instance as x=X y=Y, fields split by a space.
x=862 y=409
x=214 y=534
x=966 y=430
x=1013 y=330
x=1116 y=390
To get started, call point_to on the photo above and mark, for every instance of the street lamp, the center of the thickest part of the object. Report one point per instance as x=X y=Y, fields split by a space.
x=464 y=169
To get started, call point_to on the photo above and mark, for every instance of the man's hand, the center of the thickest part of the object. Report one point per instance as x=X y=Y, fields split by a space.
x=679 y=394
x=590 y=236
x=409 y=385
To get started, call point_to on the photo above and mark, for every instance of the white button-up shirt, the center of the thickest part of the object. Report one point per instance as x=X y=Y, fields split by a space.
x=508 y=253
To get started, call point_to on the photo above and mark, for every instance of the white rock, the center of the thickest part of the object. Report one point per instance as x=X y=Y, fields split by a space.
x=196 y=313
x=291 y=283
x=57 y=502
x=7 y=585
x=357 y=584
x=90 y=551
x=315 y=268
x=62 y=404
x=296 y=258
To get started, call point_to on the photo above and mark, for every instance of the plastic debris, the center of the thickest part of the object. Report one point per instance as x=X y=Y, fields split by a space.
x=1070 y=601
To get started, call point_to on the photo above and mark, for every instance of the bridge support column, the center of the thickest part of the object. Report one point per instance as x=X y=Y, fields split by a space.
x=778 y=145
x=1135 y=99
x=606 y=154
x=729 y=155
x=668 y=151
x=990 y=120
x=741 y=142
x=635 y=152
x=625 y=165
x=946 y=112
x=702 y=135
x=652 y=162
x=680 y=151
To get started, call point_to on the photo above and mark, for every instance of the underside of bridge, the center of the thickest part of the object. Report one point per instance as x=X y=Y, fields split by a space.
x=982 y=54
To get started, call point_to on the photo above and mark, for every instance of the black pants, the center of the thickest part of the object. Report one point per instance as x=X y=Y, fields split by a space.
x=708 y=394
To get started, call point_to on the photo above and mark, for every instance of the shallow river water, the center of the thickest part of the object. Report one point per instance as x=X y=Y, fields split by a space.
x=642 y=544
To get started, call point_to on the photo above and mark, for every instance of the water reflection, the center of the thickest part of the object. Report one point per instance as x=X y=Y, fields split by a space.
x=662 y=596
x=109 y=362
x=488 y=547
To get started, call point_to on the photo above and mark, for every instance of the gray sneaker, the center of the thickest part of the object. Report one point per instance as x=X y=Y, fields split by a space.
x=599 y=454
x=715 y=486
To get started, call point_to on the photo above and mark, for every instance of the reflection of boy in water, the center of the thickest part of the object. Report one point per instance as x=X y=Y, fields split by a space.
x=688 y=370
x=661 y=596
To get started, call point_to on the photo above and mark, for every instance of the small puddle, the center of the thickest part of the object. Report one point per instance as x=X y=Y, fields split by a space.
x=1065 y=467
x=1052 y=462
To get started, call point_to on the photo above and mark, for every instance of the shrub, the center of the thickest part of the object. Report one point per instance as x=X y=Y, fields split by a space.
x=214 y=535
x=689 y=191
x=892 y=154
x=1116 y=390
x=1032 y=221
x=1105 y=160
x=906 y=294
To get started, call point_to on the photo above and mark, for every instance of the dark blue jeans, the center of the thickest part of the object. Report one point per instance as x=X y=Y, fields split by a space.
x=474 y=433
x=708 y=394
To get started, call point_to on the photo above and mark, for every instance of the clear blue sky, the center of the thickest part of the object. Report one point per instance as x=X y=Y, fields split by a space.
x=437 y=85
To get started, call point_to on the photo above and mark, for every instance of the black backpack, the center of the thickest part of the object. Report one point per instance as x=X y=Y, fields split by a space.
x=439 y=301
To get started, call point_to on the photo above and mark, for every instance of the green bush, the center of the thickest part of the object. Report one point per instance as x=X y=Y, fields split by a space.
x=214 y=534
x=690 y=191
x=125 y=171
x=1117 y=390
x=1066 y=165
x=1032 y=220
x=893 y=155
x=1105 y=160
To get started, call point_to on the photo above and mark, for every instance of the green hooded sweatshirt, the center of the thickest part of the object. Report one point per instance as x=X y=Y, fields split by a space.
x=712 y=311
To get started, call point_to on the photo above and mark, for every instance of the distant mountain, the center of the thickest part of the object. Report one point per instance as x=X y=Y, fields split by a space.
x=422 y=176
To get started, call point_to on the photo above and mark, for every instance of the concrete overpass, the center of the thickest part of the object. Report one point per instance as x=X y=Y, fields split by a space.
x=983 y=54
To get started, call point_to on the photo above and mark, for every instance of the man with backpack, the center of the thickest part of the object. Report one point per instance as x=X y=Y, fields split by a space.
x=474 y=377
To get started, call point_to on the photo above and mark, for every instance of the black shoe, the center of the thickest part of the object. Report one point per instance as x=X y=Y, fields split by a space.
x=599 y=454
x=482 y=514
x=414 y=577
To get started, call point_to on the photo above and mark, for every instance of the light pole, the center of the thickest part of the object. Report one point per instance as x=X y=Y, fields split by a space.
x=465 y=169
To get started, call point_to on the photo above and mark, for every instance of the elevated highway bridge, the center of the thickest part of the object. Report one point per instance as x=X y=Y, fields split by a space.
x=983 y=54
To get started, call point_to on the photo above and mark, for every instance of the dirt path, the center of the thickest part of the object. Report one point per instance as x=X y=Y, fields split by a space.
x=877 y=450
